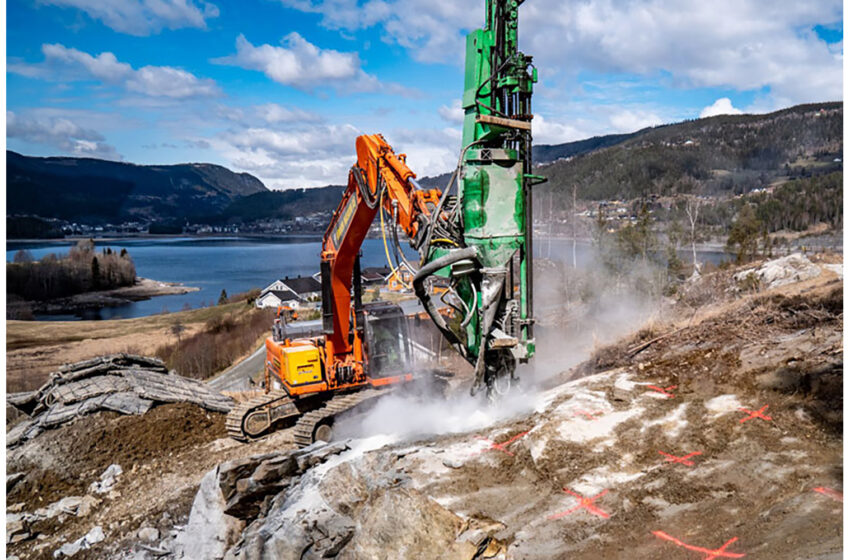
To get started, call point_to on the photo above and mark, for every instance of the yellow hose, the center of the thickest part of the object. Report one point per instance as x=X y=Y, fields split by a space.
x=384 y=237
x=444 y=240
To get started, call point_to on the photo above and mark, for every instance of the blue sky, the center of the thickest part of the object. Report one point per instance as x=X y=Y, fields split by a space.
x=280 y=88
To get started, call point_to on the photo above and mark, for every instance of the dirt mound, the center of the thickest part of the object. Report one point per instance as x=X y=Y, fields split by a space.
x=92 y=443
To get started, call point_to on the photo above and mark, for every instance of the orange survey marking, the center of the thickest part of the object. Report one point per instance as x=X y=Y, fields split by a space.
x=500 y=446
x=709 y=554
x=665 y=391
x=685 y=460
x=586 y=503
x=755 y=414
x=589 y=415
x=834 y=494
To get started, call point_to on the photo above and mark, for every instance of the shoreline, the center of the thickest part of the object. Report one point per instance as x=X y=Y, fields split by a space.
x=143 y=289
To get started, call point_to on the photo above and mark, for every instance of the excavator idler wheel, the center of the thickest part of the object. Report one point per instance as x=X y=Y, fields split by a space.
x=324 y=432
x=256 y=423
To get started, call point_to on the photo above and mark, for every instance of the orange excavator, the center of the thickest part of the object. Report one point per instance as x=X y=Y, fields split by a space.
x=364 y=350
x=475 y=236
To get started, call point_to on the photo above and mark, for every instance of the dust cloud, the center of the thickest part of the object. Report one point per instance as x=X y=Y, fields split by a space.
x=577 y=311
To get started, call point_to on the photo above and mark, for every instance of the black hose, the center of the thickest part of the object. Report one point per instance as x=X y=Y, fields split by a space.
x=365 y=191
x=427 y=270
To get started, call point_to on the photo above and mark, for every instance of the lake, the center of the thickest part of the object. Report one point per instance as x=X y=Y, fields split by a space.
x=238 y=264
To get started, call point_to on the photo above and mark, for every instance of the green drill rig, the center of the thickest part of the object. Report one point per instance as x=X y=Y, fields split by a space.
x=480 y=238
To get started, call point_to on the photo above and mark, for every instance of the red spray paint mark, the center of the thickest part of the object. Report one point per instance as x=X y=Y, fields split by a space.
x=665 y=391
x=709 y=554
x=755 y=414
x=500 y=446
x=589 y=415
x=586 y=503
x=685 y=460
x=834 y=494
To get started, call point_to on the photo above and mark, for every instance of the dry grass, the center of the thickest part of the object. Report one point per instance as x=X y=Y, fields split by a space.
x=221 y=342
x=35 y=348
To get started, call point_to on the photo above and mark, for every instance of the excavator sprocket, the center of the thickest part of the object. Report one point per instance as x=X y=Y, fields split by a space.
x=318 y=424
x=254 y=418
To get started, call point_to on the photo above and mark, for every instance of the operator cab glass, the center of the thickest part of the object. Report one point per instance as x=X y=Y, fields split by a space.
x=387 y=340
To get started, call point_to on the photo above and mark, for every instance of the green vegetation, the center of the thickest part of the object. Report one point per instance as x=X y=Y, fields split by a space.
x=81 y=270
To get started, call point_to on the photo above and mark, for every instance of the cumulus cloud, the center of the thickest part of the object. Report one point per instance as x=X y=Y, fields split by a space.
x=453 y=114
x=143 y=17
x=431 y=31
x=634 y=119
x=742 y=44
x=284 y=151
x=273 y=113
x=545 y=131
x=63 y=63
x=302 y=65
x=287 y=152
x=60 y=133
x=722 y=106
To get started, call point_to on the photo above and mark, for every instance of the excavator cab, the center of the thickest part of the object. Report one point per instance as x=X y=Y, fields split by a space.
x=387 y=340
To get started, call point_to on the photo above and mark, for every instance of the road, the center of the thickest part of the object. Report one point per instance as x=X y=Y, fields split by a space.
x=235 y=378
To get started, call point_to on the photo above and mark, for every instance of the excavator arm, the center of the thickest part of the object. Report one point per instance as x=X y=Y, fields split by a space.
x=380 y=178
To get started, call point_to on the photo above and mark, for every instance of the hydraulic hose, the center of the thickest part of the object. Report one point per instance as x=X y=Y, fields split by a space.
x=421 y=292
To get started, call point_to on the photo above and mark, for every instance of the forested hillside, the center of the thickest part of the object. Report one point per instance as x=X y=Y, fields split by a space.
x=280 y=205
x=718 y=155
x=98 y=191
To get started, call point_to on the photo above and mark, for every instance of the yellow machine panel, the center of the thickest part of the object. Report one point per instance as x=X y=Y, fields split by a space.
x=301 y=365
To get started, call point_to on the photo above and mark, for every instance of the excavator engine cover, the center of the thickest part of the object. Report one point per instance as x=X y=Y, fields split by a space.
x=301 y=365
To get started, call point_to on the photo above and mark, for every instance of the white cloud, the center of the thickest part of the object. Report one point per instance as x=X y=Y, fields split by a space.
x=453 y=114
x=634 y=119
x=273 y=113
x=545 y=131
x=165 y=81
x=302 y=65
x=60 y=133
x=740 y=44
x=295 y=153
x=722 y=106
x=63 y=63
x=431 y=31
x=143 y=17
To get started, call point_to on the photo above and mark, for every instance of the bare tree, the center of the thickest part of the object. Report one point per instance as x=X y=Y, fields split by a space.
x=692 y=205
x=573 y=224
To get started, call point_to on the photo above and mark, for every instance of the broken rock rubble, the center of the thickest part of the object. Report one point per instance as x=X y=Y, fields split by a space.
x=119 y=382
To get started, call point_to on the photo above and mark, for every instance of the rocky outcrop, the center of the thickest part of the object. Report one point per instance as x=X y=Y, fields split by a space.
x=780 y=272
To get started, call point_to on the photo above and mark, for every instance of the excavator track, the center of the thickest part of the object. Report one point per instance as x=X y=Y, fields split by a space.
x=254 y=418
x=319 y=421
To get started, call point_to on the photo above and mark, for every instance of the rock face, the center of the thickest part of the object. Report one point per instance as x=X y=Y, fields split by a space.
x=780 y=272
x=120 y=382
x=309 y=503
x=239 y=491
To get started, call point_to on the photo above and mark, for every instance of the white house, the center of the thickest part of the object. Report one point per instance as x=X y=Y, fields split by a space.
x=274 y=298
x=298 y=292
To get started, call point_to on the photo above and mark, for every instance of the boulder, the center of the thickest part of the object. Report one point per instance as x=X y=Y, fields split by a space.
x=210 y=530
x=107 y=480
x=148 y=534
